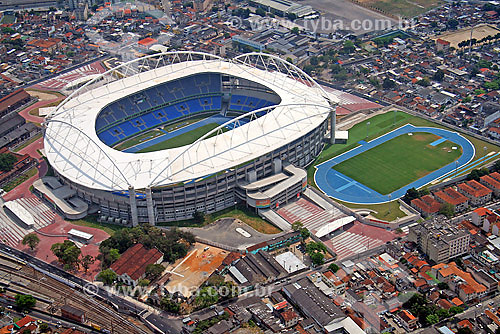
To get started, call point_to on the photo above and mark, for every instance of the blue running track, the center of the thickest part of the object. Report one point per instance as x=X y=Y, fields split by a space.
x=343 y=188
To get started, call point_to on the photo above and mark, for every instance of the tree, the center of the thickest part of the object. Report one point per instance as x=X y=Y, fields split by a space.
x=455 y=310
x=348 y=47
x=314 y=61
x=297 y=226
x=410 y=195
x=31 y=240
x=25 y=302
x=169 y=305
x=438 y=76
x=44 y=327
x=318 y=259
x=67 y=253
x=452 y=23
x=261 y=12
x=107 y=276
x=432 y=319
x=144 y=282
x=447 y=209
x=333 y=267
x=304 y=233
x=86 y=261
x=496 y=166
x=388 y=83
x=7 y=162
x=442 y=313
x=423 y=82
x=153 y=271
x=295 y=30
x=443 y=286
x=198 y=217
x=476 y=174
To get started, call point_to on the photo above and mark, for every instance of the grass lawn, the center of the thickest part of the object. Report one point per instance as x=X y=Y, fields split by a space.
x=379 y=125
x=398 y=162
x=20 y=179
x=240 y=212
x=183 y=123
x=29 y=141
x=404 y=8
x=182 y=139
x=250 y=218
x=91 y=221
x=138 y=139
x=385 y=211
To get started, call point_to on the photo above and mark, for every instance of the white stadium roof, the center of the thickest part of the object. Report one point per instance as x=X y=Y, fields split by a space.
x=75 y=151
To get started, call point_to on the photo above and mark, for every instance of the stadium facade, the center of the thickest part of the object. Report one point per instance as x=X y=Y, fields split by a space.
x=275 y=120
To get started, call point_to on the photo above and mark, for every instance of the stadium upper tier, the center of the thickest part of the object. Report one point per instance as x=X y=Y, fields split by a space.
x=167 y=103
x=123 y=102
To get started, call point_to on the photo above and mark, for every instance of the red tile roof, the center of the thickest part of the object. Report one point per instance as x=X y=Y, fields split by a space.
x=134 y=261
x=451 y=196
x=474 y=188
x=427 y=204
x=491 y=181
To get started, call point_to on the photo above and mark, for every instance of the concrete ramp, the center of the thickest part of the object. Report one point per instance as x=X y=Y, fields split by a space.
x=275 y=219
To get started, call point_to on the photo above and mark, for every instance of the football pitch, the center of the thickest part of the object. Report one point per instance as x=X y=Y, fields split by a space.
x=399 y=161
x=185 y=138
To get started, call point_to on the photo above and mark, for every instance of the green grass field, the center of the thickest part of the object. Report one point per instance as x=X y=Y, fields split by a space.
x=138 y=139
x=398 y=162
x=379 y=125
x=403 y=8
x=181 y=140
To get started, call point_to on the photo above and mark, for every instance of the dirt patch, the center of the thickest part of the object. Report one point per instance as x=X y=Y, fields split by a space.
x=424 y=137
x=479 y=32
x=191 y=271
x=44 y=96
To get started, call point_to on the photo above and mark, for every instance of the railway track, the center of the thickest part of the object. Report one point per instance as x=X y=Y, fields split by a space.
x=96 y=311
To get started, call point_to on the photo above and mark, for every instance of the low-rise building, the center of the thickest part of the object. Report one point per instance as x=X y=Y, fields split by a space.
x=477 y=193
x=452 y=197
x=492 y=181
x=426 y=205
x=131 y=266
x=408 y=320
x=467 y=288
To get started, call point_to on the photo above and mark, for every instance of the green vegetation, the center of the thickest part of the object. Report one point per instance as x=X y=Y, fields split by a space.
x=385 y=211
x=333 y=267
x=20 y=179
x=427 y=312
x=403 y=8
x=379 y=125
x=173 y=243
x=202 y=326
x=182 y=139
x=91 y=221
x=27 y=142
x=398 y=162
x=214 y=290
x=67 y=253
x=316 y=251
x=107 y=276
x=138 y=139
x=154 y=271
x=31 y=240
x=238 y=212
x=25 y=302
x=86 y=261
x=7 y=161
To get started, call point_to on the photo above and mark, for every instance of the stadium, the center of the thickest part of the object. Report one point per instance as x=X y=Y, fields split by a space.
x=159 y=138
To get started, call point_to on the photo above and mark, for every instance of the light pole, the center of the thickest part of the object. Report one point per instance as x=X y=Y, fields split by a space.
x=367 y=125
